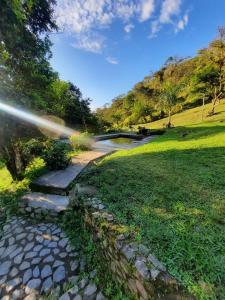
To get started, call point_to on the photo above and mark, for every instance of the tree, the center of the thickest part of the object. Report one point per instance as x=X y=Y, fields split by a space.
x=210 y=75
x=25 y=71
x=168 y=98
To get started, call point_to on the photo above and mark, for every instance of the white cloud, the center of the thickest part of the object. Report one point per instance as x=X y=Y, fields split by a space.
x=169 y=9
x=147 y=9
x=128 y=28
x=182 y=23
x=155 y=28
x=85 y=20
x=112 y=60
x=89 y=42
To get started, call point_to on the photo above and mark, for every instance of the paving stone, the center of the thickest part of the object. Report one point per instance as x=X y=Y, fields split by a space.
x=16 y=252
x=29 y=246
x=55 y=238
x=49 y=258
x=35 y=261
x=100 y=296
x=47 y=284
x=38 y=248
x=23 y=242
x=4 y=267
x=32 y=296
x=39 y=239
x=20 y=236
x=65 y=297
x=44 y=252
x=83 y=283
x=46 y=271
x=25 y=265
x=30 y=254
x=8 y=251
x=30 y=237
x=46 y=242
x=56 y=231
x=12 y=284
x=63 y=254
x=2 y=242
x=14 y=272
x=36 y=272
x=17 y=294
x=59 y=274
x=74 y=290
x=27 y=276
x=62 y=243
x=5 y=298
x=32 y=285
x=3 y=280
x=11 y=241
x=52 y=245
x=2 y=250
x=74 y=265
x=18 y=258
x=56 y=251
x=58 y=263
x=90 y=292
x=78 y=297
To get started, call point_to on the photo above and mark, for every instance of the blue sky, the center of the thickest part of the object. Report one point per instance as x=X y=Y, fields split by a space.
x=106 y=46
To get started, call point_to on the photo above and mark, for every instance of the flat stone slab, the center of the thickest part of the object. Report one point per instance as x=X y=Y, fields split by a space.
x=58 y=182
x=55 y=203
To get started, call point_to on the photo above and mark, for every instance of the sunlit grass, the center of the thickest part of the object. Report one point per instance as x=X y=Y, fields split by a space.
x=171 y=191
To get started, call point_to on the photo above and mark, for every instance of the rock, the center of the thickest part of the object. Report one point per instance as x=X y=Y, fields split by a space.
x=4 y=267
x=46 y=271
x=59 y=274
x=12 y=284
x=44 y=252
x=63 y=243
x=154 y=273
x=9 y=250
x=47 y=284
x=16 y=252
x=17 y=294
x=93 y=274
x=128 y=251
x=58 y=263
x=49 y=258
x=63 y=254
x=36 y=272
x=32 y=286
x=35 y=261
x=30 y=255
x=74 y=290
x=18 y=258
x=31 y=297
x=78 y=297
x=29 y=246
x=20 y=236
x=100 y=296
x=2 y=242
x=90 y=292
x=156 y=263
x=142 y=268
x=73 y=279
x=37 y=248
x=65 y=297
x=74 y=265
x=27 y=276
x=143 y=249
x=52 y=245
x=56 y=251
x=25 y=265
x=14 y=272
x=11 y=241
x=83 y=283
x=39 y=239
x=30 y=237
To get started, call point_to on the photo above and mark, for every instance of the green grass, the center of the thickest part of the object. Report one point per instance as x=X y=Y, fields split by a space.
x=171 y=192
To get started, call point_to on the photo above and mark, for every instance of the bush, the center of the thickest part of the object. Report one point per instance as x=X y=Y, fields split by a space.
x=81 y=142
x=55 y=155
x=31 y=149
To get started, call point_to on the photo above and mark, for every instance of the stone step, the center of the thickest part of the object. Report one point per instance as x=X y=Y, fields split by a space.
x=59 y=182
x=54 y=203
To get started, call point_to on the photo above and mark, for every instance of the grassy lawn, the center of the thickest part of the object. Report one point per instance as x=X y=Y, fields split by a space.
x=171 y=192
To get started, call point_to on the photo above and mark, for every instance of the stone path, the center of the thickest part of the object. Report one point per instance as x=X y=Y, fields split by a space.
x=38 y=258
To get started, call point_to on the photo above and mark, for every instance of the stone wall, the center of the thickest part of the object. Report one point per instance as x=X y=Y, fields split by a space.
x=132 y=264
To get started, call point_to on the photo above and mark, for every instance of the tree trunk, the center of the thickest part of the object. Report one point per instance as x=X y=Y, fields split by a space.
x=169 y=120
x=13 y=161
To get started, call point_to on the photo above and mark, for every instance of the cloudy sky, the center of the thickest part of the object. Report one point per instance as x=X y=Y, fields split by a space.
x=106 y=46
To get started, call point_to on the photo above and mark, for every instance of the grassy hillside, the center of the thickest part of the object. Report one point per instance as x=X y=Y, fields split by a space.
x=191 y=116
x=171 y=192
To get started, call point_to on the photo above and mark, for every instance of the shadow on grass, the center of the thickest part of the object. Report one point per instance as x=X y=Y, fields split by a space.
x=174 y=201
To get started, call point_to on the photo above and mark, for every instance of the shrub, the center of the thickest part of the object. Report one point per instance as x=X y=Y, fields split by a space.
x=55 y=155
x=81 y=142
x=31 y=149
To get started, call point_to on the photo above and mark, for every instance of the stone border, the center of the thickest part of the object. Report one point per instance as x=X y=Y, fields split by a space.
x=132 y=264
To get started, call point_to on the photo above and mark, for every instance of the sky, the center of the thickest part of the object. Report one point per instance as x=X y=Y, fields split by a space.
x=106 y=46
